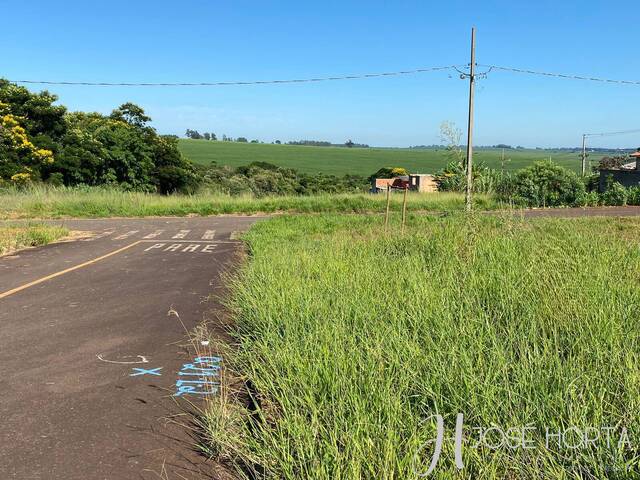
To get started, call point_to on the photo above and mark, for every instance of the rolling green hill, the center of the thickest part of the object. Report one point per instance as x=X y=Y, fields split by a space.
x=359 y=161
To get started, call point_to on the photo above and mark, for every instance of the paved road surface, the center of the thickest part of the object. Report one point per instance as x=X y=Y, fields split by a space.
x=73 y=316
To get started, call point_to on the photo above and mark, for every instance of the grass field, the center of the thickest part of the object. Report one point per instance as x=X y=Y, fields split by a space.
x=358 y=161
x=49 y=202
x=351 y=340
x=21 y=236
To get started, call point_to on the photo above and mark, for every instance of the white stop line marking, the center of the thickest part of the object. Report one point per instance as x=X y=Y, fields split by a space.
x=181 y=234
x=125 y=235
x=182 y=247
x=154 y=234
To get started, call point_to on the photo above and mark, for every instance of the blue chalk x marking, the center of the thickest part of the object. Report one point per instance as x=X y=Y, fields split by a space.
x=143 y=371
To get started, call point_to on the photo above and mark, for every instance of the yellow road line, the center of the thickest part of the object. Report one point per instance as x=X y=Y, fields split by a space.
x=62 y=272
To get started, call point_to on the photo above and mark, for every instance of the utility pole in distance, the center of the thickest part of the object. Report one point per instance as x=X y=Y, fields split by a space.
x=584 y=154
x=472 y=79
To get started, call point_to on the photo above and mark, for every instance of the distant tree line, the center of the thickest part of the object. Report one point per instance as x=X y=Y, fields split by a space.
x=320 y=143
x=195 y=135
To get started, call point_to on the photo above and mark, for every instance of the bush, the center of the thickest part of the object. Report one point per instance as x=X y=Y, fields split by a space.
x=633 y=196
x=56 y=179
x=615 y=195
x=264 y=179
x=588 y=199
x=453 y=178
x=592 y=182
x=545 y=184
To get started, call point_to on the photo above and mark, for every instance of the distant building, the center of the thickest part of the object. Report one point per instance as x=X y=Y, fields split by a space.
x=418 y=182
x=379 y=185
x=422 y=182
x=628 y=175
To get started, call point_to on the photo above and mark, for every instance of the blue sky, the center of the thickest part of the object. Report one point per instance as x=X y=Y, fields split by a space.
x=194 y=41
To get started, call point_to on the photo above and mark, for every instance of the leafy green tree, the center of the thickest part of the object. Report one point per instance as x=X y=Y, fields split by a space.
x=42 y=120
x=388 y=172
x=172 y=172
x=131 y=114
x=30 y=131
x=193 y=134
x=40 y=141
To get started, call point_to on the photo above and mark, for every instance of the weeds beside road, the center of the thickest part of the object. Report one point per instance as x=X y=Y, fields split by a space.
x=352 y=339
x=103 y=202
x=17 y=237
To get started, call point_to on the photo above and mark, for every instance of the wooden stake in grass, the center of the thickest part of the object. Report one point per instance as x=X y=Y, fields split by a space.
x=404 y=209
x=386 y=215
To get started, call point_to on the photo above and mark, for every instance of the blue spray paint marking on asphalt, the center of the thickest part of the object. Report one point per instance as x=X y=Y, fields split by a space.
x=204 y=370
x=142 y=371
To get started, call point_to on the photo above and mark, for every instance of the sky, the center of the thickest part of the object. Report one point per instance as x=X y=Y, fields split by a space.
x=208 y=41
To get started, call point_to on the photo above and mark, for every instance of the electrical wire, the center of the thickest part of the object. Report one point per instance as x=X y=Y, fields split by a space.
x=334 y=78
x=609 y=134
x=252 y=82
x=562 y=75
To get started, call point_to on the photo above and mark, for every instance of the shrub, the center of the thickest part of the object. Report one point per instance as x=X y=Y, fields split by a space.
x=21 y=180
x=545 y=184
x=453 y=178
x=592 y=182
x=616 y=194
x=588 y=199
x=56 y=179
x=264 y=179
x=633 y=196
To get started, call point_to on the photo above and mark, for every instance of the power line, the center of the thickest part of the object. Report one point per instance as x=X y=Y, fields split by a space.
x=252 y=82
x=334 y=78
x=602 y=134
x=609 y=134
x=562 y=75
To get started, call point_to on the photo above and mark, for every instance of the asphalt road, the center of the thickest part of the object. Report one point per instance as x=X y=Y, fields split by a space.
x=95 y=373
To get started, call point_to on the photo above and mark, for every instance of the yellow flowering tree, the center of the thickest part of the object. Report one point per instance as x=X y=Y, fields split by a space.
x=20 y=159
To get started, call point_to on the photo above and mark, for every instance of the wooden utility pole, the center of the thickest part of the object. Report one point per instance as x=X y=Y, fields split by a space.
x=584 y=154
x=404 y=208
x=386 y=215
x=472 y=80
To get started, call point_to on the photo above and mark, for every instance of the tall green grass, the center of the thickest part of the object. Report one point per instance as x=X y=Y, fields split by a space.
x=350 y=340
x=43 y=202
x=21 y=236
